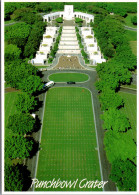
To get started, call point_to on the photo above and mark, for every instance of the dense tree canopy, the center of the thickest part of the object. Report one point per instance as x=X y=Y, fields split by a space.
x=16 y=178
x=124 y=174
x=19 y=13
x=21 y=123
x=25 y=103
x=115 y=120
x=34 y=39
x=16 y=71
x=110 y=99
x=17 y=34
x=18 y=147
x=13 y=178
x=31 y=84
x=12 y=52
x=119 y=145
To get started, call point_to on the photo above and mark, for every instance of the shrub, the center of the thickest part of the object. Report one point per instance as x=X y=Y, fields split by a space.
x=134 y=20
x=50 y=60
x=48 y=36
x=78 y=20
x=89 y=37
x=59 y=20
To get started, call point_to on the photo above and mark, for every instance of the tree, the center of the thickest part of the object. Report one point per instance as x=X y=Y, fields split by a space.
x=18 y=147
x=8 y=9
x=12 y=52
x=123 y=173
x=31 y=84
x=115 y=120
x=134 y=20
x=17 y=70
x=16 y=178
x=119 y=145
x=19 y=13
x=110 y=99
x=25 y=102
x=21 y=123
x=34 y=39
x=17 y=34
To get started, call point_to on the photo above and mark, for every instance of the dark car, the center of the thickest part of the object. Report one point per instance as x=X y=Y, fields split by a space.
x=70 y=82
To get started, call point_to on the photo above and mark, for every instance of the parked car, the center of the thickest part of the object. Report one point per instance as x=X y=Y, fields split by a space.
x=49 y=84
x=71 y=82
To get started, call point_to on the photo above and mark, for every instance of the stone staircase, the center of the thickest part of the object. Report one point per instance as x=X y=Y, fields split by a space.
x=68 y=44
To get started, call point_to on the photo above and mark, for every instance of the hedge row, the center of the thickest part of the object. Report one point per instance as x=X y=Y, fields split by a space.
x=84 y=54
x=55 y=47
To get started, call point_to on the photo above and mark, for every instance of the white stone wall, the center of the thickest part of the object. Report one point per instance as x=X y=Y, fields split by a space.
x=91 y=45
x=45 y=46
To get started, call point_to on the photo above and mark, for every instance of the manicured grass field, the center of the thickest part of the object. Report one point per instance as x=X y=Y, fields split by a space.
x=130 y=109
x=131 y=35
x=64 y=77
x=10 y=109
x=68 y=141
x=132 y=38
x=133 y=45
x=128 y=20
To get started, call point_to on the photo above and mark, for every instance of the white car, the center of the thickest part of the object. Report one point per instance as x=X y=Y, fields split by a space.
x=49 y=84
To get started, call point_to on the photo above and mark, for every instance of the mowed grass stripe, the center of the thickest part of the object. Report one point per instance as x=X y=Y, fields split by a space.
x=130 y=109
x=68 y=143
x=64 y=77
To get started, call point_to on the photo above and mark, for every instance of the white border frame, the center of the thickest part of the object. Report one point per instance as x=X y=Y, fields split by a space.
x=2 y=102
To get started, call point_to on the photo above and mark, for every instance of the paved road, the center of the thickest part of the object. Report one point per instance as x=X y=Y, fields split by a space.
x=12 y=23
x=130 y=28
x=100 y=132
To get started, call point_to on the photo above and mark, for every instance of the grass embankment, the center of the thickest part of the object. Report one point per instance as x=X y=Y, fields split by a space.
x=64 y=77
x=68 y=141
x=130 y=109
x=132 y=38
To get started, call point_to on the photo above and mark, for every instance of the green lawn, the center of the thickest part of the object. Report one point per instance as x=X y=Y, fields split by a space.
x=10 y=109
x=128 y=20
x=132 y=38
x=130 y=109
x=131 y=35
x=133 y=45
x=68 y=141
x=64 y=77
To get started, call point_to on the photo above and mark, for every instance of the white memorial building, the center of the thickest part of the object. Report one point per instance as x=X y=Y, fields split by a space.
x=68 y=44
x=68 y=14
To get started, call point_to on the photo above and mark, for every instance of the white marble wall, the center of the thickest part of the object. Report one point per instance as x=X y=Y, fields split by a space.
x=45 y=46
